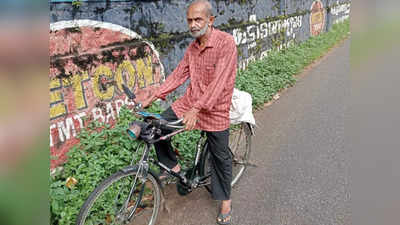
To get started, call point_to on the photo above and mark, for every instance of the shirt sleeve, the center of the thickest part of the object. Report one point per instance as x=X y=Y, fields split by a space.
x=225 y=70
x=175 y=79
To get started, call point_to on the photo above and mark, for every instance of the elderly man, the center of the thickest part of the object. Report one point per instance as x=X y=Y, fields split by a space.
x=210 y=63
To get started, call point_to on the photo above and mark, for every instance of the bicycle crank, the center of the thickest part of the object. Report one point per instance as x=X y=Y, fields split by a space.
x=182 y=189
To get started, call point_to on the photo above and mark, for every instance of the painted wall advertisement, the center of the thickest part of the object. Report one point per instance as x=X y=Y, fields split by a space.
x=251 y=36
x=317 y=18
x=84 y=55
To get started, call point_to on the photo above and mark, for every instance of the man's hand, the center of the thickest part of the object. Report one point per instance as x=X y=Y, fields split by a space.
x=190 y=118
x=149 y=99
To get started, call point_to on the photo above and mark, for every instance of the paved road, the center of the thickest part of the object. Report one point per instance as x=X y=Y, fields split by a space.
x=303 y=171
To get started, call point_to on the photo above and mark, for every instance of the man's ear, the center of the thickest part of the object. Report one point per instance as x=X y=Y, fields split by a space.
x=212 y=18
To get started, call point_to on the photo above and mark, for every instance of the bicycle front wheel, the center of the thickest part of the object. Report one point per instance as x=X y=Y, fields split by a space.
x=122 y=198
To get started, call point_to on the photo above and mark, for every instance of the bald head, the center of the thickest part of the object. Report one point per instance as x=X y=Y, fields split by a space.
x=203 y=5
x=199 y=18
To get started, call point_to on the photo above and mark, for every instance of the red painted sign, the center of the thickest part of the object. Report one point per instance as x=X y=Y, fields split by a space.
x=83 y=55
x=317 y=18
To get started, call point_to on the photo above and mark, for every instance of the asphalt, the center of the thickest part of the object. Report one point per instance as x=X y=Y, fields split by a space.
x=303 y=172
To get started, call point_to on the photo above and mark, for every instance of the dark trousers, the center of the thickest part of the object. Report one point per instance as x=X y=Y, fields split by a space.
x=221 y=158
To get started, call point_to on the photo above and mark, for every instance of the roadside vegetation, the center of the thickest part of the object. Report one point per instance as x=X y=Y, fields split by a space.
x=266 y=77
x=104 y=149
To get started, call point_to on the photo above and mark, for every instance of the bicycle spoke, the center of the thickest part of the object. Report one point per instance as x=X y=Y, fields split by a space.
x=235 y=141
x=240 y=146
x=134 y=200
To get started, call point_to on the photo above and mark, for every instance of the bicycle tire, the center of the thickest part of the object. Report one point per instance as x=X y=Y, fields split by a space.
x=136 y=208
x=240 y=146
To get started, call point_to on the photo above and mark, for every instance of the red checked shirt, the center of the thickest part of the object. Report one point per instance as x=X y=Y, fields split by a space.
x=212 y=73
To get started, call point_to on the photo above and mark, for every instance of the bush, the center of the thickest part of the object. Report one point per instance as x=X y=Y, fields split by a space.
x=102 y=151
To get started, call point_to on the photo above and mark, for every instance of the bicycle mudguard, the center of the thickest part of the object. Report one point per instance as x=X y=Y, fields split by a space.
x=130 y=169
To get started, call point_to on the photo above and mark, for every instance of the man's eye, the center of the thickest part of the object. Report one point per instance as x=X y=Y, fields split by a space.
x=198 y=20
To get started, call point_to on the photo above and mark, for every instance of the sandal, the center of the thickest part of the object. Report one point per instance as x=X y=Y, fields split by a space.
x=166 y=177
x=225 y=219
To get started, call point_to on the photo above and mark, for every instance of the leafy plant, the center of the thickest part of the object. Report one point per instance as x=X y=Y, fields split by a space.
x=102 y=150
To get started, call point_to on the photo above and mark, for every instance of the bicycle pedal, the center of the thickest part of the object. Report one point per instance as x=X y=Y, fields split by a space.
x=182 y=189
x=245 y=163
x=171 y=182
x=168 y=181
x=204 y=183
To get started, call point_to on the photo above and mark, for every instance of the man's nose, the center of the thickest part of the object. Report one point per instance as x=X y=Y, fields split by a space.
x=193 y=24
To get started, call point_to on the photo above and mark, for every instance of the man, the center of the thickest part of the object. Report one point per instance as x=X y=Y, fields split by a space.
x=210 y=63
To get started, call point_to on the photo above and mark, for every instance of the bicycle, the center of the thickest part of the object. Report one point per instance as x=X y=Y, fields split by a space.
x=136 y=189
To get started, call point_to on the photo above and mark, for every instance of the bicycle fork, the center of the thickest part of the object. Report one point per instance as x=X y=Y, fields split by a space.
x=142 y=169
x=191 y=179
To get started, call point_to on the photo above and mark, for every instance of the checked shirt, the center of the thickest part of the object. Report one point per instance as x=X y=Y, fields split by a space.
x=212 y=72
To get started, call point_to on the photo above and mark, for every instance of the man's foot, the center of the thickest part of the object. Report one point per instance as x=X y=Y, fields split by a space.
x=165 y=176
x=225 y=215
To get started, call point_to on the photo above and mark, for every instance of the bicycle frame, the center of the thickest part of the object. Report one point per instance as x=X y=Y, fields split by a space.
x=143 y=165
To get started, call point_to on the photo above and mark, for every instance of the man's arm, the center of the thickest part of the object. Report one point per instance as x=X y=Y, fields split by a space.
x=174 y=80
x=224 y=70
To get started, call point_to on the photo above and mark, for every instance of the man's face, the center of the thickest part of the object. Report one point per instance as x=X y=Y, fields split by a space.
x=198 y=20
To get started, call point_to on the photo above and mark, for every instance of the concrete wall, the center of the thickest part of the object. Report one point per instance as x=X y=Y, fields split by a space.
x=138 y=43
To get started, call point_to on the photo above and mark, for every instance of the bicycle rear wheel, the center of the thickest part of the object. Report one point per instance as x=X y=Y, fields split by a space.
x=111 y=202
x=240 y=146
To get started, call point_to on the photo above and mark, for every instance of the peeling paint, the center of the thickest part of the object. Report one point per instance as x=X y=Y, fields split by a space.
x=83 y=55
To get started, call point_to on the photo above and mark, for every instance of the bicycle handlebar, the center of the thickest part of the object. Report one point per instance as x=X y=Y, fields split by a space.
x=138 y=108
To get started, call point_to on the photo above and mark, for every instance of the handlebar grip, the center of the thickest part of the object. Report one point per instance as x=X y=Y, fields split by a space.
x=163 y=122
x=175 y=124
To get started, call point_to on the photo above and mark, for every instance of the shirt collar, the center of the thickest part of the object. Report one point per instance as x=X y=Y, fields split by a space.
x=210 y=42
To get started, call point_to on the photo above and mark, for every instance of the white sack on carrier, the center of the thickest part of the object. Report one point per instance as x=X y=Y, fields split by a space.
x=241 y=108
